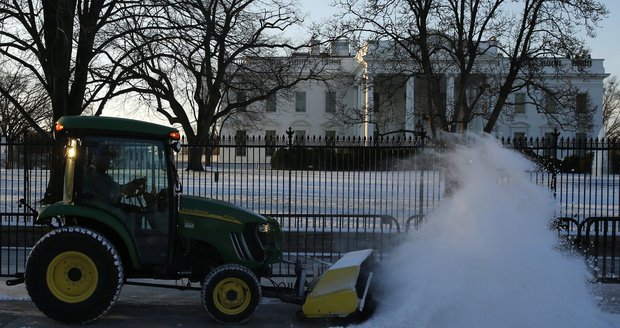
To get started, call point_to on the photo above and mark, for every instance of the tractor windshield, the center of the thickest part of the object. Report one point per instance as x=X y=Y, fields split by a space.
x=111 y=165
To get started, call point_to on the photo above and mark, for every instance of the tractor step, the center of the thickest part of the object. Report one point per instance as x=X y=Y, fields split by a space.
x=160 y=285
x=19 y=279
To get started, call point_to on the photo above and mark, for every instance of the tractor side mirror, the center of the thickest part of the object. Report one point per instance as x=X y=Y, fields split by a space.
x=176 y=146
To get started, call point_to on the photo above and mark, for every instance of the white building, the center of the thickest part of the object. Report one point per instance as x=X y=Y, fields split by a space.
x=3 y=152
x=581 y=81
x=362 y=78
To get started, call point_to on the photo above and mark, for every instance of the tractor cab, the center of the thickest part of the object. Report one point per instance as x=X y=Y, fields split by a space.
x=127 y=178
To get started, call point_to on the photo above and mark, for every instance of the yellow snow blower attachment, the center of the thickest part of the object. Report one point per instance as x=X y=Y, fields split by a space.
x=344 y=289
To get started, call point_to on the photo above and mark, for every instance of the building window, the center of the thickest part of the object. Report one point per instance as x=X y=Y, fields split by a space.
x=581 y=103
x=376 y=102
x=240 y=142
x=300 y=137
x=270 y=104
x=581 y=143
x=518 y=138
x=330 y=102
x=330 y=138
x=550 y=145
x=518 y=135
x=270 y=142
x=551 y=105
x=519 y=105
x=300 y=101
x=241 y=98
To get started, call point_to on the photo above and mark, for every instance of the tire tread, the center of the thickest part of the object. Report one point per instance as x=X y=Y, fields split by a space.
x=93 y=235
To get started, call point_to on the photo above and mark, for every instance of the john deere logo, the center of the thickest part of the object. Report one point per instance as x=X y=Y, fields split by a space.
x=206 y=214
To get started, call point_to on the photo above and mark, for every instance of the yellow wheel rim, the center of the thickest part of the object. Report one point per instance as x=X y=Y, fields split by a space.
x=72 y=277
x=232 y=296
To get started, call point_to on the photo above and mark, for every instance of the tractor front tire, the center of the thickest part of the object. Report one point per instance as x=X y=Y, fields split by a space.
x=231 y=294
x=74 y=275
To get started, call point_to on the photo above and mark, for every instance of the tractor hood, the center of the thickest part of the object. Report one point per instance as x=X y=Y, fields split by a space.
x=239 y=235
x=223 y=212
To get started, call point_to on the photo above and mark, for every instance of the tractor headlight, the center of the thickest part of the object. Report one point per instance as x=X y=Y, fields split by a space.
x=264 y=228
x=71 y=149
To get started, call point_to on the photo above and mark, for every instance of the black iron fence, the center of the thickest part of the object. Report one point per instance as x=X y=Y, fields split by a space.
x=330 y=195
x=351 y=176
x=23 y=179
x=584 y=175
x=598 y=239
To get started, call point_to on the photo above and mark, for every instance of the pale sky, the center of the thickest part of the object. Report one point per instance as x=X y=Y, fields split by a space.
x=605 y=46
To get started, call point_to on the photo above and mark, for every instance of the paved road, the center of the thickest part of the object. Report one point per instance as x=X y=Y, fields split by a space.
x=157 y=307
x=146 y=307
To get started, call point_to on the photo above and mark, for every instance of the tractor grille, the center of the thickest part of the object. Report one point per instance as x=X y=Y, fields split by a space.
x=253 y=238
x=241 y=248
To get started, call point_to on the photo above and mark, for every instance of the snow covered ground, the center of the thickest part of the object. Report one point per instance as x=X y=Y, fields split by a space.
x=400 y=194
x=397 y=193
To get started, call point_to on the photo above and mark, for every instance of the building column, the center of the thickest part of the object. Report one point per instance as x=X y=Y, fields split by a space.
x=368 y=128
x=450 y=94
x=410 y=104
x=361 y=104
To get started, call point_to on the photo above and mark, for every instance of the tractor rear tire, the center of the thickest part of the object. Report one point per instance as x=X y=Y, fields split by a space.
x=231 y=294
x=74 y=275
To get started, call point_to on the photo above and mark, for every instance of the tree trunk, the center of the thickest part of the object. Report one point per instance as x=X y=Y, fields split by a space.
x=58 y=27
x=10 y=160
x=54 y=190
x=194 y=153
x=499 y=105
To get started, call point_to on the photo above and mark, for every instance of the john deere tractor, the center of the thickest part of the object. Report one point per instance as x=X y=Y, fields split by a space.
x=123 y=217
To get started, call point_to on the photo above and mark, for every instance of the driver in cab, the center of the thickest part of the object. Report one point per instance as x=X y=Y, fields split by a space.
x=100 y=185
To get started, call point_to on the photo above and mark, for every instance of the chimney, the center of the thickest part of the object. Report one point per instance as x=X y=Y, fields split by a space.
x=340 y=47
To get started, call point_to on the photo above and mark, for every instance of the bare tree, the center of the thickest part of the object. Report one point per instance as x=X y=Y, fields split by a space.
x=611 y=107
x=57 y=43
x=32 y=99
x=492 y=48
x=34 y=106
x=539 y=31
x=208 y=61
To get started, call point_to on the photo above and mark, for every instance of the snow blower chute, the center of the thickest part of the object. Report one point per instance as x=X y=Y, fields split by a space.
x=343 y=289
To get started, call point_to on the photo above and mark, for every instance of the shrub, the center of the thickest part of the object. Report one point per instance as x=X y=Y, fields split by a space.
x=577 y=164
x=339 y=159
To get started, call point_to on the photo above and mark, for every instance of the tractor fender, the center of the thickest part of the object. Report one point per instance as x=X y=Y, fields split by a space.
x=94 y=215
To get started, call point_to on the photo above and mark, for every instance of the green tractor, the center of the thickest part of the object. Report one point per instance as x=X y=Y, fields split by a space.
x=123 y=216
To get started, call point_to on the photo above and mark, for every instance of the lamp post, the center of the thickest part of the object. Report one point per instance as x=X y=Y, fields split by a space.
x=554 y=161
x=290 y=133
x=419 y=133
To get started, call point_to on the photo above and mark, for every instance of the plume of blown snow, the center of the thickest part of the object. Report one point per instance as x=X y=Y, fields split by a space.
x=486 y=257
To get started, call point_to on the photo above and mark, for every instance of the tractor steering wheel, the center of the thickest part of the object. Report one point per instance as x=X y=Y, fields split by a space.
x=135 y=187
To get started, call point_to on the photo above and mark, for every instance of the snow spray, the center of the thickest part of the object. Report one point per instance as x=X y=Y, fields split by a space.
x=486 y=256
